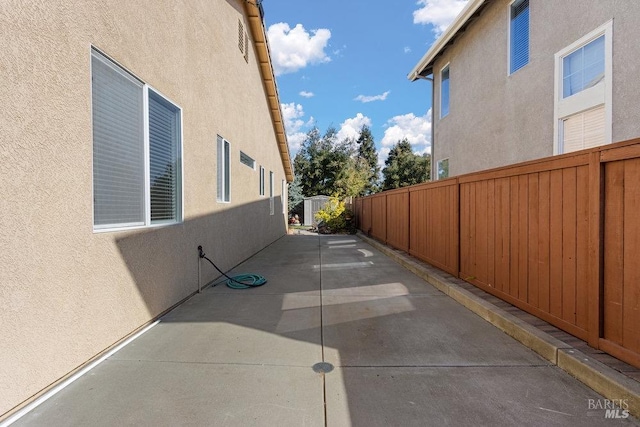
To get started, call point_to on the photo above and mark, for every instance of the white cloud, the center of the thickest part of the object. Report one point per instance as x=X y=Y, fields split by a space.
x=294 y=125
x=350 y=128
x=306 y=94
x=407 y=49
x=417 y=130
x=365 y=98
x=439 y=13
x=294 y=48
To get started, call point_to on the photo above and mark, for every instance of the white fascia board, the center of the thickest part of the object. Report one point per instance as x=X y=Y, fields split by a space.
x=468 y=11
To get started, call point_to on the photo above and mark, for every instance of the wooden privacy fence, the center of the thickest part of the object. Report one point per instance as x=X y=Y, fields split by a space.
x=557 y=237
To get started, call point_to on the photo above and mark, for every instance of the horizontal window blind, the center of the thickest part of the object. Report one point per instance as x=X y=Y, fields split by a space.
x=164 y=159
x=583 y=68
x=584 y=130
x=118 y=145
x=519 y=35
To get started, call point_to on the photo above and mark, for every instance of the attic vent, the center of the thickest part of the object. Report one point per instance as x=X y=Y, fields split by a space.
x=241 y=34
x=247 y=160
x=246 y=47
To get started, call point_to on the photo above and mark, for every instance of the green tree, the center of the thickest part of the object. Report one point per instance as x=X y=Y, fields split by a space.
x=296 y=198
x=320 y=163
x=403 y=167
x=367 y=152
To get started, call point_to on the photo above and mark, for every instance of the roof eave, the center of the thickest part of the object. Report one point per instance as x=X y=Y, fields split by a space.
x=256 y=24
x=425 y=64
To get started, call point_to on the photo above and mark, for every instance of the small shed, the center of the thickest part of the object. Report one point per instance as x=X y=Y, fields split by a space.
x=311 y=206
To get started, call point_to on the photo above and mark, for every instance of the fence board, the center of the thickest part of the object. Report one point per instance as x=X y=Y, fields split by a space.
x=569 y=245
x=613 y=251
x=582 y=248
x=631 y=290
x=555 y=244
x=533 y=241
x=544 y=241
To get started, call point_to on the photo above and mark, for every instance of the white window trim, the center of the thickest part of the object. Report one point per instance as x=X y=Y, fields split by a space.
x=271 y=193
x=284 y=196
x=588 y=98
x=220 y=198
x=261 y=182
x=147 y=178
x=440 y=106
x=509 y=73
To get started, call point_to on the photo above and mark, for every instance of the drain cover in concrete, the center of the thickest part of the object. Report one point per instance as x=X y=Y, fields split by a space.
x=323 y=367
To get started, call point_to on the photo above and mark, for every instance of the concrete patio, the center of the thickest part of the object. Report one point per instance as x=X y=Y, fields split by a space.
x=403 y=354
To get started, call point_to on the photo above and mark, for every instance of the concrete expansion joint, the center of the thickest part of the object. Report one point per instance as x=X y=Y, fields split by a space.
x=596 y=375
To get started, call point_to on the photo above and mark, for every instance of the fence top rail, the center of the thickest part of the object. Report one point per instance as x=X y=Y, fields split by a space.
x=617 y=151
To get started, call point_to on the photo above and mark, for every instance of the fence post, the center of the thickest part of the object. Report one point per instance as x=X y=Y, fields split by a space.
x=596 y=242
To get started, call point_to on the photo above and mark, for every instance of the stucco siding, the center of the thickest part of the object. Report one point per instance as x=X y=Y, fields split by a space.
x=497 y=119
x=69 y=292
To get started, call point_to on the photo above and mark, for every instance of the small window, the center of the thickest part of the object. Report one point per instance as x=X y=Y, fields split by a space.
x=444 y=92
x=443 y=168
x=271 y=199
x=245 y=159
x=583 y=68
x=261 y=181
x=224 y=185
x=519 y=35
x=137 y=162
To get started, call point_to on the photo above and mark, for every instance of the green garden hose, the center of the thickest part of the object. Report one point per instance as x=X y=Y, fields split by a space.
x=241 y=281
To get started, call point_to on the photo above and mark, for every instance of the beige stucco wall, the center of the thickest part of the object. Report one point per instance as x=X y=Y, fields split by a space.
x=67 y=293
x=497 y=119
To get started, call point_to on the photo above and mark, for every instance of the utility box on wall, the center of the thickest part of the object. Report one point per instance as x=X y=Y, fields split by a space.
x=311 y=206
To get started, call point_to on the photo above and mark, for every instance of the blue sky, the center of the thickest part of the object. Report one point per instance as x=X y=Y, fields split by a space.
x=344 y=64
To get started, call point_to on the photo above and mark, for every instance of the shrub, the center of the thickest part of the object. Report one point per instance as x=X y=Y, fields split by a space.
x=334 y=216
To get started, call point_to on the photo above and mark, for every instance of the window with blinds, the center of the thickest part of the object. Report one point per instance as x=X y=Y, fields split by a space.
x=583 y=68
x=130 y=187
x=261 y=185
x=519 y=35
x=583 y=94
x=584 y=130
x=224 y=175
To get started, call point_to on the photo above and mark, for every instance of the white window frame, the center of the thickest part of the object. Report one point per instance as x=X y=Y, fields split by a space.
x=448 y=90
x=284 y=196
x=146 y=88
x=509 y=39
x=587 y=99
x=224 y=170
x=271 y=194
x=261 y=184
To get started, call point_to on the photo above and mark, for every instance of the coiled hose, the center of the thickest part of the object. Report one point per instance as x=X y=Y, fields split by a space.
x=241 y=281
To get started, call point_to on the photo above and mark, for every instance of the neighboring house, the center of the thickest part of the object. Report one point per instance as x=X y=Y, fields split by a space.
x=525 y=79
x=132 y=132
